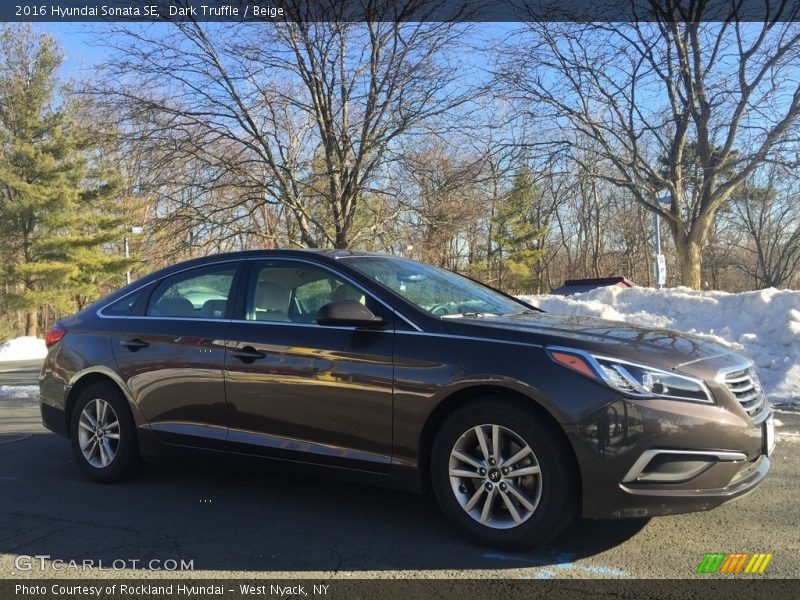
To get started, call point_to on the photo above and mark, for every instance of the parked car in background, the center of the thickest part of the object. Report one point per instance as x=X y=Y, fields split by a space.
x=400 y=373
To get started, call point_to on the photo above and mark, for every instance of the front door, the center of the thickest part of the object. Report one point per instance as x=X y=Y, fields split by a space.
x=303 y=391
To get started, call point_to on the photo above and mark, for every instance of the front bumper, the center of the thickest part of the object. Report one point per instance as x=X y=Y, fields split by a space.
x=643 y=458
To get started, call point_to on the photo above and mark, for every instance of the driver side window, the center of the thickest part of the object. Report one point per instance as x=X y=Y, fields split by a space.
x=294 y=294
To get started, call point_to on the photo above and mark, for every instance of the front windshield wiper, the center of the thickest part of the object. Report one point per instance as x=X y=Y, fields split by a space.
x=527 y=311
x=472 y=314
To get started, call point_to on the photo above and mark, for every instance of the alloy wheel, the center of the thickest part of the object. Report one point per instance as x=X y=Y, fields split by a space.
x=98 y=433
x=495 y=476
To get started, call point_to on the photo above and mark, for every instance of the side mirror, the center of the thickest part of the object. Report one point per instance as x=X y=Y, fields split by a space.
x=348 y=313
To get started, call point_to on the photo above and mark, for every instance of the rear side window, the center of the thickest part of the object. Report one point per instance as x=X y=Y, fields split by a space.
x=200 y=293
x=127 y=306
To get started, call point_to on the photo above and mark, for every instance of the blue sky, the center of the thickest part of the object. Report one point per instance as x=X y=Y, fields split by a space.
x=81 y=54
x=75 y=43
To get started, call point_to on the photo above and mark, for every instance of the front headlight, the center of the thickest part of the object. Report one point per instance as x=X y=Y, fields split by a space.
x=633 y=379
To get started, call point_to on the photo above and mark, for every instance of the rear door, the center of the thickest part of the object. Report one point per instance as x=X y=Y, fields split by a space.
x=171 y=355
x=303 y=391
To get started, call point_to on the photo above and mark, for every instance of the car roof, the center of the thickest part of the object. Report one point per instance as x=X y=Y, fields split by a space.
x=324 y=254
x=286 y=252
x=147 y=279
x=264 y=253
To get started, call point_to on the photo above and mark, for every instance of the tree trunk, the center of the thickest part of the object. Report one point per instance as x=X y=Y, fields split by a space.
x=341 y=242
x=30 y=323
x=688 y=252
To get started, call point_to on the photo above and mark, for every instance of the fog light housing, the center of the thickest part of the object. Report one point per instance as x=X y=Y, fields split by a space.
x=676 y=466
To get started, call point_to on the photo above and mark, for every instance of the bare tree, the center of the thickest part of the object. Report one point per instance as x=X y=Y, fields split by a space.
x=442 y=204
x=769 y=216
x=310 y=111
x=678 y=105
x=627 y=231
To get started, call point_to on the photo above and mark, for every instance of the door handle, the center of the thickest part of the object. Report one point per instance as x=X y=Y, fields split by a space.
x=134 y=344
x=248 y=354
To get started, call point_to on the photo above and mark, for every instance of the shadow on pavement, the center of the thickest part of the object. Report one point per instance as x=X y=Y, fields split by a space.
x=226 y=517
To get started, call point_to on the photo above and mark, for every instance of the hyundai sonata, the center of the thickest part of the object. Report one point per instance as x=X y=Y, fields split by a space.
x=395 y=372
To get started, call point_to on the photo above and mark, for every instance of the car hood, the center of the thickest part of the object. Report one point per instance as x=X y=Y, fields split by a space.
x=659 y=347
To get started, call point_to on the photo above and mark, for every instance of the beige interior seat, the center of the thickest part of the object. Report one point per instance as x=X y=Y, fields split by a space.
x=214 y=309
x=346 y=292
x=174 y=307
x=271 y=302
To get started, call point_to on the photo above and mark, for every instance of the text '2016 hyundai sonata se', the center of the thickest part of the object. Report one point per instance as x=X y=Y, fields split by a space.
x=396 y=372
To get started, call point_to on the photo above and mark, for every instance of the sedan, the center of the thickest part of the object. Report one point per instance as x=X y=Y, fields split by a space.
x=397 y=373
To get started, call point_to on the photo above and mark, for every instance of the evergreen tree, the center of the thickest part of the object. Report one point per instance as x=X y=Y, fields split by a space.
x=57 y=211
x=518 y=236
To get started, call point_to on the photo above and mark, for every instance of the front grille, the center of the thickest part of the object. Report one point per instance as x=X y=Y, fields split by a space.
x=745 y=387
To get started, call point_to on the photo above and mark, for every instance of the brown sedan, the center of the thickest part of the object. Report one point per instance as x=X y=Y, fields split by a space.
x=399 y=373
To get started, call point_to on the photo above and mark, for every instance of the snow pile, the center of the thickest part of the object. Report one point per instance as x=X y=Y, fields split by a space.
x=19 y=392
x=23 y=348
x=764 y=325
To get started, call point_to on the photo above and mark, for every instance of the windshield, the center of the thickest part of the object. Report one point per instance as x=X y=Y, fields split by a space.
x=435 y=290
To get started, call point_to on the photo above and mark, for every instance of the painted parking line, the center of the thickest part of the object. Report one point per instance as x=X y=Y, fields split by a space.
x=562 y=561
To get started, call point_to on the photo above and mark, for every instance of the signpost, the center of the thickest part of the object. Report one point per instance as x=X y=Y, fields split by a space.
x=660 y=264
x=135 y=231
x=660 y=270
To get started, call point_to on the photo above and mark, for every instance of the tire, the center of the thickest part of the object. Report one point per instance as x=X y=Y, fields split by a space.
x=543 y=495
x=112 y=454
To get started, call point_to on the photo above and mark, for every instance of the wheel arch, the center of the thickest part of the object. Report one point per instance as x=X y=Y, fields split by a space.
x=464 y=396
x=82 y=380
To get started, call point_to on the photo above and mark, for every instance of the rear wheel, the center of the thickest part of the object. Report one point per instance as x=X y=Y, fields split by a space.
x=503 y=475
x=103 y=434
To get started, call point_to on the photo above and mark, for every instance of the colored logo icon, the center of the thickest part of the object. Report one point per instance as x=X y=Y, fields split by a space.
x=734 y=564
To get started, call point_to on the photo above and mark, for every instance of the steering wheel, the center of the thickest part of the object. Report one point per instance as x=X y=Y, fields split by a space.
x=439 y=309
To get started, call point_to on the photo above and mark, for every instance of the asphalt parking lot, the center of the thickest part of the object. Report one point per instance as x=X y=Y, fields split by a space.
x=234 y=521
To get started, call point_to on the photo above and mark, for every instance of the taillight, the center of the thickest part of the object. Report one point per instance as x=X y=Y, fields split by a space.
x=54 y=335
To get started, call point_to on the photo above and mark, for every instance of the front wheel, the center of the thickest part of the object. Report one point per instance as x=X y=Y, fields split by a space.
x=103 y=434
x=503 y=475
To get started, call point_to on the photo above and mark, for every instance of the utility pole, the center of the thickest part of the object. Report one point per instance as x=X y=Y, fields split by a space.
x=135 y=231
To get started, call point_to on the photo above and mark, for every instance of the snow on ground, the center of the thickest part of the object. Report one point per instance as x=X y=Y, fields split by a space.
x=23 y=348
x=19 y=392
x=764 y=325
x=793 y=437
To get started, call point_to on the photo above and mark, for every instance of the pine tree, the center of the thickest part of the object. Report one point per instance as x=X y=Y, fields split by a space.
x=518 y=236
x=57 y=210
